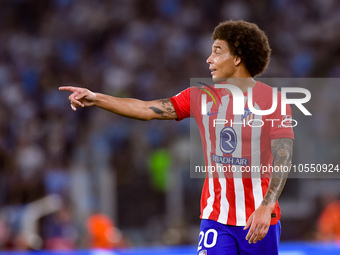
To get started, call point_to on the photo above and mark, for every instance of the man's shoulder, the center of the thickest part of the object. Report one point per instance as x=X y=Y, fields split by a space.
x=263 y=87
x=263 y=91
x=263 y=95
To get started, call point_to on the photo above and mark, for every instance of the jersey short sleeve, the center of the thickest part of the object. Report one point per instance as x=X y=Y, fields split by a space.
x=281 y=126
x=181 y=103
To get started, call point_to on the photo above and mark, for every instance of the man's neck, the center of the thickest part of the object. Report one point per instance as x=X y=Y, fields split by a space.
x=242 y=83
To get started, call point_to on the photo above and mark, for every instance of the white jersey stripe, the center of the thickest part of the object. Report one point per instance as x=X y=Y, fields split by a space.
x=210 y=201
x=224 y=204
x=256 y=160
x=238 y=183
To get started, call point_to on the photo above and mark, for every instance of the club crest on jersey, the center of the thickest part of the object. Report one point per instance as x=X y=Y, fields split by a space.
x=228 y=140
x=247 y=114
x=204 y=252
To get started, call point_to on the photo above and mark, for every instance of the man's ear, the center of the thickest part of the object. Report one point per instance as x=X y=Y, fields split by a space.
x=237 y=60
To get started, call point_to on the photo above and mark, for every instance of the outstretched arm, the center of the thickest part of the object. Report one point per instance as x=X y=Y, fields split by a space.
x=259 y=221
x=127 y=107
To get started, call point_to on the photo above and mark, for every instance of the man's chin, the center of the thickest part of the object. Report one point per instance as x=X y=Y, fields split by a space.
x=218 y=79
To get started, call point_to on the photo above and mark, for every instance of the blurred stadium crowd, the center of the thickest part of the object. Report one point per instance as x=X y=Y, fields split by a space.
x=137 y=173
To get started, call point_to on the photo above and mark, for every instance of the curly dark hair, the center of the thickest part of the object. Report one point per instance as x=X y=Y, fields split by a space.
x=247 y=41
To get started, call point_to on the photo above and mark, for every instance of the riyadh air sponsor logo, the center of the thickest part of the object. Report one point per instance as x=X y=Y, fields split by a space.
x=228 y=144
x=228 y=140
x=229 y=160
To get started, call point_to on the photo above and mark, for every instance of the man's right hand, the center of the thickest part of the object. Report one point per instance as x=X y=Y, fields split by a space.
x=80 y=97
x=128 y=107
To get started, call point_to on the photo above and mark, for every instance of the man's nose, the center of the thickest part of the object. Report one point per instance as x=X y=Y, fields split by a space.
x=209 y=60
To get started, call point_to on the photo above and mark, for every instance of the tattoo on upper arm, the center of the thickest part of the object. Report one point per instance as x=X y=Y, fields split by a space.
x=282 y=152
x=164 y=108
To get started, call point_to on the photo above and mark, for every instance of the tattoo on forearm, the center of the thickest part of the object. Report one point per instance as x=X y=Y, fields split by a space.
x=166 y=109
x=156 y=110
x=282 y=152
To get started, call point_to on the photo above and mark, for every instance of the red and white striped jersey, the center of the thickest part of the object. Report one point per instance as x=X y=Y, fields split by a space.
x=237 y=141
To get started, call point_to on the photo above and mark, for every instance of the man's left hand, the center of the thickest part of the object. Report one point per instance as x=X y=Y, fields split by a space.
x=259 y=223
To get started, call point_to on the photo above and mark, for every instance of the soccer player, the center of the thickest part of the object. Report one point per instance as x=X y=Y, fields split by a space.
x=239 y=209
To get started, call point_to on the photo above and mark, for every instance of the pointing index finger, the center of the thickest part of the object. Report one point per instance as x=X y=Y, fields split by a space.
x=69 y=88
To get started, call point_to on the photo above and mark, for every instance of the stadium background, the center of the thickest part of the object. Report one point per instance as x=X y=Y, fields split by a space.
x=68 y=166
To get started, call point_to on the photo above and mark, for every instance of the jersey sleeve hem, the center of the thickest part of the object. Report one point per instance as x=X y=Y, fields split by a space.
x=174 y=103
x=277 y=136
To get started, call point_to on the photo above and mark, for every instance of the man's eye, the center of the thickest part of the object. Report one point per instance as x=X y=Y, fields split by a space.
x=217 y=53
